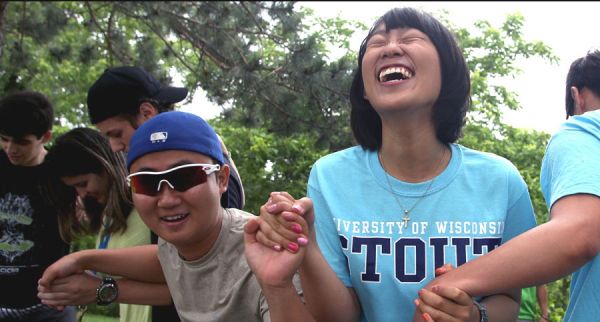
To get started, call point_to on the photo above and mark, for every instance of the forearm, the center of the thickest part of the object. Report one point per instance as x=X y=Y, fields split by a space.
x=137 y=263
x=521 y=262
x=338 y=303
x=538 y=256
x=285 y=305
x=135 y=292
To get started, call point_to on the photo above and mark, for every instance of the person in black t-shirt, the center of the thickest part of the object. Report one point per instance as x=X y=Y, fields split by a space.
x=30 y=238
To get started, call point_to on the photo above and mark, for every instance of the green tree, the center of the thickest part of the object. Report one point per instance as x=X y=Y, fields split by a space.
x=258 y=58
x=267 y=163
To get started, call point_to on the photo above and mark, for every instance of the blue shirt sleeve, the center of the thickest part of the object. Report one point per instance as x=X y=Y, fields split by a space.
x=571 y=165
x=520 y=216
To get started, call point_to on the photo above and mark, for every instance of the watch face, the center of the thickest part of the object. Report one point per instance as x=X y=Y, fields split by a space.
x=108 y=293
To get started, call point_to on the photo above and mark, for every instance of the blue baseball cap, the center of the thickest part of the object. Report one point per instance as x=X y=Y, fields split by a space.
x=175 y=131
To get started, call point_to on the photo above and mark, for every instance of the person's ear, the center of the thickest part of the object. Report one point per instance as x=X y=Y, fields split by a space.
x=223 y=178
x=46 y=137
x=578 y=100
x=147 y=111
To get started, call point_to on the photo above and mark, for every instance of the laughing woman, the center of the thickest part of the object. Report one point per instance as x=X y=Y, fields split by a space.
x=388 y=214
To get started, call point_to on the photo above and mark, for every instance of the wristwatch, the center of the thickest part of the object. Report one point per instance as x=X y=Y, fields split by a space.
x=482 y=311
x=107 y=292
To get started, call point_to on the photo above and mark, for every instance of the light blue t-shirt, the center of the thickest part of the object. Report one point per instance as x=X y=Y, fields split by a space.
x=571 y=165
x=477 y=203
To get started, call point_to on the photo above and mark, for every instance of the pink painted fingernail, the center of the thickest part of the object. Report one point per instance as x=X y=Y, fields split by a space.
x=296 y=228
x=299 y=208
x=417 y=302
x=277 y=247
x=293 y=247
x=427 y=317
x=302 y=241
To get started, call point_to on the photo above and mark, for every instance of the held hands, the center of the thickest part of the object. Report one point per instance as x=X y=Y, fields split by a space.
x=442 y=303
x=60 y=278
x=263 y=239
x=286 y=223
x=76 y=289
x=273 y=267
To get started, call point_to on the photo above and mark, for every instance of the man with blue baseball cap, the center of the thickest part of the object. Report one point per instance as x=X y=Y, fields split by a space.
x=125 y=97
x=177 y=177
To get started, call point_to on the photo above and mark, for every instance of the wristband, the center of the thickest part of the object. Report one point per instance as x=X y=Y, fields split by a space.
x=482 y=311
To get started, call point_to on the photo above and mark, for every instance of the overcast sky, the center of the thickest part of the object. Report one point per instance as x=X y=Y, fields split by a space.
x=569 y=28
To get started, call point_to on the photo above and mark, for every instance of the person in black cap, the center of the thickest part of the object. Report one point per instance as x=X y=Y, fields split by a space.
x=125 y=97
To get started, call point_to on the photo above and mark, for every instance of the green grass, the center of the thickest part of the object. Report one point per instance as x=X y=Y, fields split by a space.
x=98 y=318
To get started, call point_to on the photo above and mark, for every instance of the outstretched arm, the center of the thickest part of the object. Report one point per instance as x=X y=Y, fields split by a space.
x=80 y=289
x=575 y=218
x=137 y=263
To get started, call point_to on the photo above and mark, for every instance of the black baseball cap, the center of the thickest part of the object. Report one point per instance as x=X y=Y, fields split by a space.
x=119 y=90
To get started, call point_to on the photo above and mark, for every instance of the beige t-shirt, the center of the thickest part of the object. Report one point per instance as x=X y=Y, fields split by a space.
x=219 y=286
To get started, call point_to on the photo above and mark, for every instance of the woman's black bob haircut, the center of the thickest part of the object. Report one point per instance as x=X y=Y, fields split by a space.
x=451 y=106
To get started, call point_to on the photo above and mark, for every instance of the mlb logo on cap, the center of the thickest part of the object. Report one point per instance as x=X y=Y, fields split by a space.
x=158 y=137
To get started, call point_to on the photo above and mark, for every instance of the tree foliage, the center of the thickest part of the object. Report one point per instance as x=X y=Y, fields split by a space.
x=269 y=65
x=267 y=163
x=492 y=54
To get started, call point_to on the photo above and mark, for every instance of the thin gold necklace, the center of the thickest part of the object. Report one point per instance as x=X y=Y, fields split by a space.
x=406 y=215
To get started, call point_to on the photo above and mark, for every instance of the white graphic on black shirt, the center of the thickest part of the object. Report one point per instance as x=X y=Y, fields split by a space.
x=15 y=210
